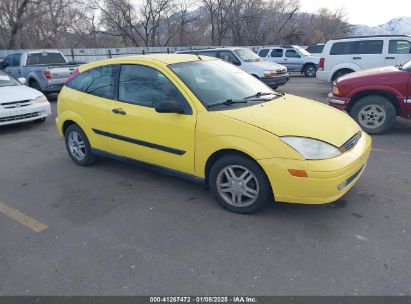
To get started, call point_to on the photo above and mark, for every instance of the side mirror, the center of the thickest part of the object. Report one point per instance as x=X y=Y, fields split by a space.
x=169 y=107
x=3 y=65
x=22 y=80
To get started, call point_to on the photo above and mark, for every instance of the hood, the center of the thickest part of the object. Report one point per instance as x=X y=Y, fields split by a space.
x=296 y=116
x=18 y=93
x=267 y=65
x=377 y=72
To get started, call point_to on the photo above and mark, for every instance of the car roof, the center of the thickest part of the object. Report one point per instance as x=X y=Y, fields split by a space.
x=371 y=36
x=163 y=59
x=216 y=49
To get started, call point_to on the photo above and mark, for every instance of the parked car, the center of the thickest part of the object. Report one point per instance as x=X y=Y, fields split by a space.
x=273 y=75
x=19 y=103
x=374 y=98
x=45 y=71
x=353 y=54
x=295 y=58
x=203 y=119
x=316 y=49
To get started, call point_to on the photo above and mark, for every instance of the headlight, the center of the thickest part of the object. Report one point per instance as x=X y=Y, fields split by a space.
x=311 y=148
x=270 y=73
x=336 y=90
x=40 y=99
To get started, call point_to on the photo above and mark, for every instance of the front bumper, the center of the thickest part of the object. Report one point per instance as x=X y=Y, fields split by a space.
x=337 y=102
x=24 y=114
x=276 y=80
x=327 y=180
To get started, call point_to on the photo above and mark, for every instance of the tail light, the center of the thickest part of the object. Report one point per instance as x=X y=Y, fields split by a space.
x=47 y=74
x=322 y=63
x=72 y=75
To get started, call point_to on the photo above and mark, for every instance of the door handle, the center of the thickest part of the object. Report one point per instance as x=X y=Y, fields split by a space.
x=119 y=111
x=356 y=58
x=389 y=57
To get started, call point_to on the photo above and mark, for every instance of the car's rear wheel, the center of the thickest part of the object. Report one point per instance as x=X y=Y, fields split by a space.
x=78 y=146
x=239 y=184
x=34 y=85
x=310 y=70
x=375 y=114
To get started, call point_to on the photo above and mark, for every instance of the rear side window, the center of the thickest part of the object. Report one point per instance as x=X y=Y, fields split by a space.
x=263 y=52
x=277 y=53
x=357 y=47
x=98 y=82
x=45 y=58
x=16 y=60
x=399 y=47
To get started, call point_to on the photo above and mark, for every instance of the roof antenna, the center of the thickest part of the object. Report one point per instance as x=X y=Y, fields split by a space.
x=198 y=55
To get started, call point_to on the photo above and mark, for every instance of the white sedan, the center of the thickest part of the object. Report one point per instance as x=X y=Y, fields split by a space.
x=19 y=103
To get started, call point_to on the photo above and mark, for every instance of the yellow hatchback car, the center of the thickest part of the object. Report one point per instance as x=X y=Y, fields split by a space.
x=208 y=121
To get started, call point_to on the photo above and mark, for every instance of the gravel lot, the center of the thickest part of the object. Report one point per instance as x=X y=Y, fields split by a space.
x=113 y=229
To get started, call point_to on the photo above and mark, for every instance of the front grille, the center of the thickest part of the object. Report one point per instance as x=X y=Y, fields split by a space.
x=350 y=143
x=16 y=104
x=281 y=72
x=19 y=117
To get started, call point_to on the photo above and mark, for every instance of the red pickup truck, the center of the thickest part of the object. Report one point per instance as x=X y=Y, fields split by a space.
x=374 y=98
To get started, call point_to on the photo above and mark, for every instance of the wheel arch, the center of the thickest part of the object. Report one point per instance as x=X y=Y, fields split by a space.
x=348 y=70
x=388 y=95
x=213 y=158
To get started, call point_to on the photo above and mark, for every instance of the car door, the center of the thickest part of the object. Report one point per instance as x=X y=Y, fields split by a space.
x=15 y=68
x=277 y=56
x=368 y=54
x=293 y=60
x=138 y=132
x=399 y=52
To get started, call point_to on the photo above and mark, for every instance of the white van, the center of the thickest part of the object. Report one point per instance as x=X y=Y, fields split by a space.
x=272 y=74
x=352 y=54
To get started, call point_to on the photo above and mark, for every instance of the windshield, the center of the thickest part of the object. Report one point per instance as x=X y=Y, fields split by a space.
x=302 y=51
x=215 y=81
x=407 y=66
x=247 y=55
x=6 y=80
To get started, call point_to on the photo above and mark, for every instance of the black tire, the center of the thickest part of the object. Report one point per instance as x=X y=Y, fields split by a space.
x=367 y=113
x=310 y=70
x=274 y=87
x=259 y=183
x=40 y=120
x=35 y=85
x=89 y=158
x=341 y=73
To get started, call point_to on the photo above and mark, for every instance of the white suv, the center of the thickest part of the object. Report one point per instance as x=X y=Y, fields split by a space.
x=352 y=54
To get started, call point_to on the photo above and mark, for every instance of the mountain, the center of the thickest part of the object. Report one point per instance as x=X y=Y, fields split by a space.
x=396 y=26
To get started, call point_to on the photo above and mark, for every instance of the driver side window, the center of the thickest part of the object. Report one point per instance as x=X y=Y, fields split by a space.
x=229 y=57
x=145 y=86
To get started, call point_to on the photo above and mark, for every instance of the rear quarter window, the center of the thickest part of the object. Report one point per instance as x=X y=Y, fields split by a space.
x=97 y=81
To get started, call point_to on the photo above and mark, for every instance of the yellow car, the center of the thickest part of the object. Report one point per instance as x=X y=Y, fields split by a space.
x=202 y=119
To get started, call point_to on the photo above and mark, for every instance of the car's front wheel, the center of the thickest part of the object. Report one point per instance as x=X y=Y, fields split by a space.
x=78 y=146
x=239 y=184
x=375 y=114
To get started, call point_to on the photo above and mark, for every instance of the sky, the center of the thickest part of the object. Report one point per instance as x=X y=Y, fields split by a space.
x=368 y=12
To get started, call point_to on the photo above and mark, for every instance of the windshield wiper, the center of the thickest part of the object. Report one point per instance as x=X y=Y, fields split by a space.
x=255 y=97
x=228 y=102
x=261 y=94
